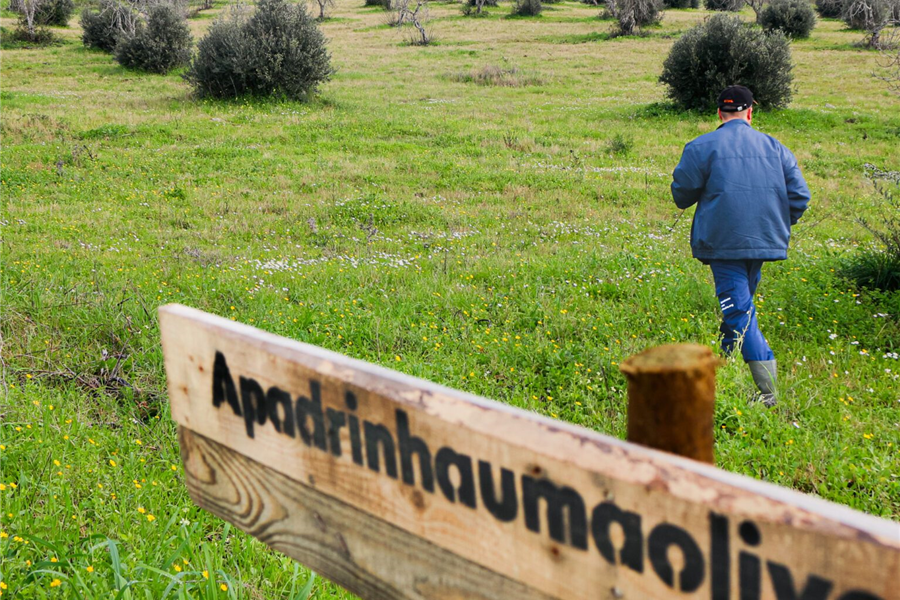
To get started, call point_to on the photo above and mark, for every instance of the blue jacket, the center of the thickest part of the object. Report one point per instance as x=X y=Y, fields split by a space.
x=748 y=190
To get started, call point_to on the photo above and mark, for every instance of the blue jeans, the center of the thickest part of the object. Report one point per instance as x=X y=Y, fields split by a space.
x=736 y=282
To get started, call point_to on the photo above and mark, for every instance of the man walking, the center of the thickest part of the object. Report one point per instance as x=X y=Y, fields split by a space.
x=749 y=192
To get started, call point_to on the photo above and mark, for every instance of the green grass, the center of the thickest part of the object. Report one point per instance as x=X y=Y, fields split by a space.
x=489 y=238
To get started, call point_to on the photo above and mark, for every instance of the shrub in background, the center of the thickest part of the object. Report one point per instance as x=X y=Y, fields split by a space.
x=475 y=6
x=54 y=12
x=681 y=3
x=493 y=75
x=830 y=9
x=880 y=268
x=527 y=8
x=418 y=17
x=857 y=14
x=28 y=30
x=278 y=50
x=725 y=51
x=620 y=144
x=220 y=67
x=161 y=45
x=796 y=18
x=632 y=15
x=871 y=16
x=102 y=28
x=29 y=33
x=724 y=5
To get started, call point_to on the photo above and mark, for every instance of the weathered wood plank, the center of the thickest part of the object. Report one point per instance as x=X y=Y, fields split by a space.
x=558 y=508
x=368 y=556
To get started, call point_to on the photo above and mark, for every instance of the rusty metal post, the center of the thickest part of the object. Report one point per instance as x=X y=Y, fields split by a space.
x=671 y=399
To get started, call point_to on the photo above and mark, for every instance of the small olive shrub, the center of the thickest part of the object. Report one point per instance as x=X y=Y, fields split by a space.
x=830 y=9
x=161 y=45
x=526 y=8
x=796 y=18
x=29 y=36
x=725 y=51
x=632 y=15
x=278 y=50
x=878 y=267
x=102 y=28
x=54 y=12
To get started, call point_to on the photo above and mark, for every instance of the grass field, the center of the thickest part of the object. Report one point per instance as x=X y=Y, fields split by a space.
x=513 y=241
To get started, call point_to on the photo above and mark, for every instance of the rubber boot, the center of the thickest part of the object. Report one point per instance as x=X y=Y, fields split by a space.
x=765 y=375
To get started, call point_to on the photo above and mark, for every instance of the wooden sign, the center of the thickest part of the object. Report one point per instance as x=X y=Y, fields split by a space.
x=395 y=487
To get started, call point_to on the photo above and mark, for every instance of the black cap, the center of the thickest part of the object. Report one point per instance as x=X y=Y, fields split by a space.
x=735 y=99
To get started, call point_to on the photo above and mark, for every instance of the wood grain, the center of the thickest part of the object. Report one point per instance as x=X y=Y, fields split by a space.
x=671 y=399
x=366 y=555
x=810 y=538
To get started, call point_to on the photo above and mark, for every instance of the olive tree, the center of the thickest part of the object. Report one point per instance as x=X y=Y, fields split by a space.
x=830 y=9
x=28 y=16
x=723 y=51
x=632 y=15
x=418 y=18
x=795 y=18
x=103 y=28
x=476 y=7
x=161 y=45
x=871 y=16
x=323 y=6
x=29 y=11
x=278 y=50
x=527 y=8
